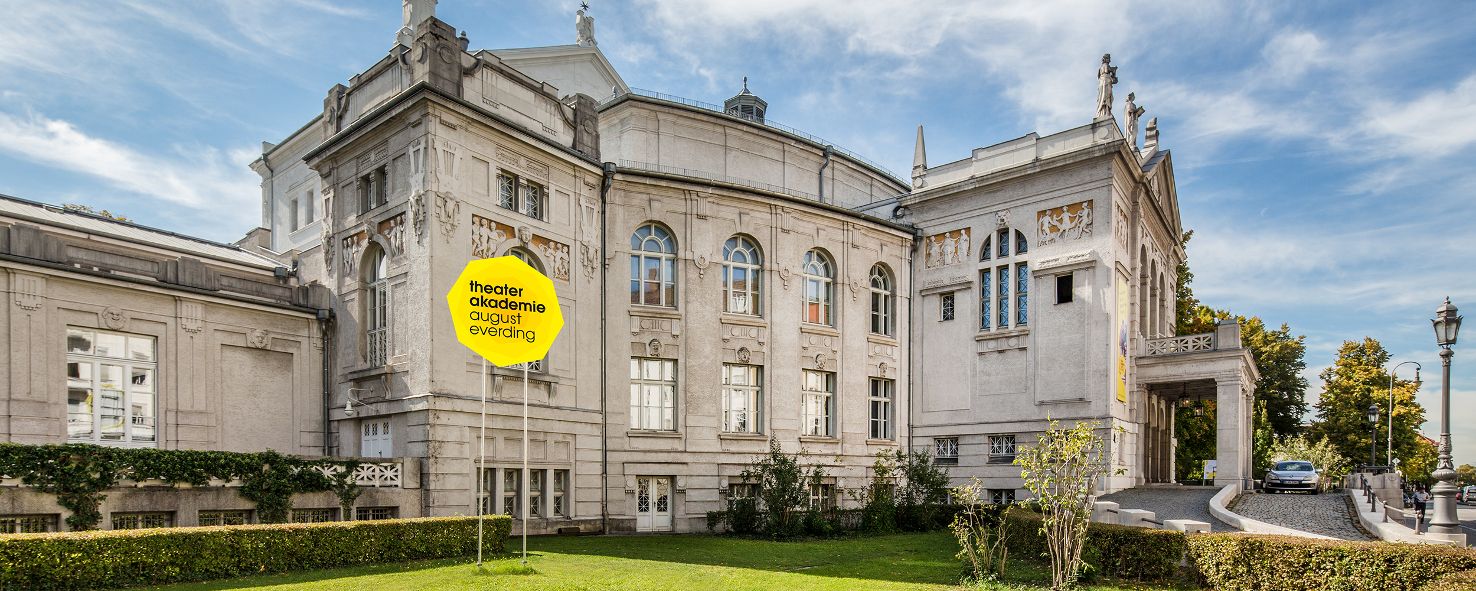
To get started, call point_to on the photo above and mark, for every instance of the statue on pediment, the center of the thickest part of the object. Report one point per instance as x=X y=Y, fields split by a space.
x=584 y=25
x=1106 y=77
x=1133 y=112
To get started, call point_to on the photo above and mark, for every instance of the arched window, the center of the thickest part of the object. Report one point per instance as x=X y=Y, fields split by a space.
x=652 y=266
x=883 y=299
x=524 y=255
x=376 y=306
x=742 y=267
x=819 y=278
x=1004 y=281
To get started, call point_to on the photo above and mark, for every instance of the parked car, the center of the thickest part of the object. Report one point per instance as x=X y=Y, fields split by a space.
x=1291 y=475
x=1467 y=495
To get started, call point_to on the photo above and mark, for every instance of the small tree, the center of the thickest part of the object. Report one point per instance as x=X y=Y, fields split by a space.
x=1061 y=470
x=784 y=485
x=980 y=530
x=1330 y=463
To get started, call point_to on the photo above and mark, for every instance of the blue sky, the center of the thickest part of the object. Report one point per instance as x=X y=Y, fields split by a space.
x=1323 y=150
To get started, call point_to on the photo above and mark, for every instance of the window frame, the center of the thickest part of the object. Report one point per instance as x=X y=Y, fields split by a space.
x=640 y=409
x=886 y=403
x=752 y=393
x=818 y=270
x=1004 y=281
x=945 y=450
x=947 y=306
x=1069 y=279
x=883 y=301
x=1002 y=449
x=753 y=268
x=558 y=494
x=664 y=260
x=817 y=406
x=377 y=322
x=128 y=388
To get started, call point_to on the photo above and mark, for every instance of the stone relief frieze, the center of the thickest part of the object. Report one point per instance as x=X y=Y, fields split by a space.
x=1068 y=222
x=948 y=248
x=487 y=234
x=393 y=230
x=448 y=212
x=353 y=248
x=417 y=216
x=555 y=256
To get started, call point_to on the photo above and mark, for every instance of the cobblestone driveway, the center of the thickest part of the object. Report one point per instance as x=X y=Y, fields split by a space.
x=1171 y=503
x=1326 y=514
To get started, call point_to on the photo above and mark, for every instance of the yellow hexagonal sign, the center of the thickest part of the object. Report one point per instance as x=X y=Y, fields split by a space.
x=505 y=310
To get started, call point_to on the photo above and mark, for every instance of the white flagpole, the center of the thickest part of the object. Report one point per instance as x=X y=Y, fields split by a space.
x=481 y=460
x=526 y=481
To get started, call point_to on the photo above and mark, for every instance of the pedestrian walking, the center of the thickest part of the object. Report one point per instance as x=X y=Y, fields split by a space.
x=1421 y=498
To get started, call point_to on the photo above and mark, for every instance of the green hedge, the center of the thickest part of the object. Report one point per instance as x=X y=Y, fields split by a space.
x=121 y=558
x=1237 y=562
x=1461 y=581
x=1115 y=550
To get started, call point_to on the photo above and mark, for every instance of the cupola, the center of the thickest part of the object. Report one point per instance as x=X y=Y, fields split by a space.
x=746 y=105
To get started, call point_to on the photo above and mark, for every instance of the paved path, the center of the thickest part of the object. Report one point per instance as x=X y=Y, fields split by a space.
x=1327 y=514
x=1171 y=503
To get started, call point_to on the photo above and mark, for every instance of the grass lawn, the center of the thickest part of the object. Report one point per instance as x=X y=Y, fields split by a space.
x=674 y=563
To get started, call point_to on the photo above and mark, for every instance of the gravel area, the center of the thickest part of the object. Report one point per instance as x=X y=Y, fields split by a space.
x=1327 y=514
x=1171 y=503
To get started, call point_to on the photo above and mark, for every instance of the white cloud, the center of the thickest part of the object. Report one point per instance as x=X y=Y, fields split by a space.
x=1436 y=123
x=216 y=184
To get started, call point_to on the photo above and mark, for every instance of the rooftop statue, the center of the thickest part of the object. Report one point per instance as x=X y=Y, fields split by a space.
x=1106 y=77
x=585 y=26
x=1133 y=112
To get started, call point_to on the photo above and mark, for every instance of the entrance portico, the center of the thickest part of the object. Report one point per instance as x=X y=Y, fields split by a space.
x=1211 y=366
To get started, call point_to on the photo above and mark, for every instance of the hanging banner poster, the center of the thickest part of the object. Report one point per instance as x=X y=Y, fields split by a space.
x=1123 y=326
x=505 y=310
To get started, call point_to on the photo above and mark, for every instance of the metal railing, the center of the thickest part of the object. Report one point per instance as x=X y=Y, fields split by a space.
x=378 y=346
x=1193 y=343
x=766 y=122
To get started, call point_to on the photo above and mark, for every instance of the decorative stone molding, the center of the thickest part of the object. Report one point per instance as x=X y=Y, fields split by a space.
x=589 y=259
x=417 y=216
x=487 y=234
x=653 y=348
x=525 y=235
x=257 y=338
x=114 y=318
x=820 y=361
x=191 y=316
x=785 y=275
x=448 y=212
x=353 y=248
x=744 y=355
x=1002 y=219
x=948 y=248
x=28 y=290
x=393 y=230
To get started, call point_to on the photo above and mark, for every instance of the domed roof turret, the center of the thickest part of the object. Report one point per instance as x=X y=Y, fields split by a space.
x=746 y=105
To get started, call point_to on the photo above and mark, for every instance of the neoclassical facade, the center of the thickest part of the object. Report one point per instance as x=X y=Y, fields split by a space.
x=726 y=281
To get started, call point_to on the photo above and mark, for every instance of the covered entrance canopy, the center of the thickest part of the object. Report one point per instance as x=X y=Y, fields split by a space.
x=1210 y=366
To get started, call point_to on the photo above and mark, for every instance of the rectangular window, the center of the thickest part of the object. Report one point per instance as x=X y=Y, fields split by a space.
x=1002 y=496
x=822 y=496
x=1002 y=276
x=489 y=490
x=818 y=404
x=315 y=515
x=653 y=394
x=111 y=388
x=559 y=496
x=366 y=193
x=375 y=513
x=986 y=298
x=511 y=480
x=743 y=398
x=535 y=493
x=1065 y=288
x=381 y=186
x=534 y=200
x=946 y=306
x=945 y=450
x=308 y=207
x=881 y=408
x=143 y=520
x=1001 y=449
x=507 y=191
x=232 y=517
x=742 y=491
x=1022 y=294
x=292 y=222
x=27 y=524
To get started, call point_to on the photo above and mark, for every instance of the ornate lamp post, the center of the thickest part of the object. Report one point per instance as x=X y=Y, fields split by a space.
x=1373 y=441
x=1389 y=456
x=1447 y=325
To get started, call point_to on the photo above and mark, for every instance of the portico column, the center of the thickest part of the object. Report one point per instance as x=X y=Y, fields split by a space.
x=1232 y=453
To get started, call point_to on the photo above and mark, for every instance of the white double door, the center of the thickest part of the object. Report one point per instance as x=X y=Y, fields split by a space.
x=653 y=503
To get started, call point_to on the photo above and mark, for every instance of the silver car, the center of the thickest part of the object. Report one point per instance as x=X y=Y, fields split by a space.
x=1291 y=475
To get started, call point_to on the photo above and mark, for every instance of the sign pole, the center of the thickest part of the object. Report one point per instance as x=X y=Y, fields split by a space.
x=526 y=481
x=481 y=461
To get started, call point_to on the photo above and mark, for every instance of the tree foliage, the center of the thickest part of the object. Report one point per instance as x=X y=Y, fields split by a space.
x=1356 y=380
x=1330 y=463
x=1060 y=470
x=784 y=484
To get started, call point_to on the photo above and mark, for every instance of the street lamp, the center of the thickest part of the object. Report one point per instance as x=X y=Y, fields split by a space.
x=1447 y=324
x=1373 y=442
x=1389 y=457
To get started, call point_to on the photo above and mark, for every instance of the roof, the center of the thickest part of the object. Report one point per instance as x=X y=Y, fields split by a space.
x=57 y=216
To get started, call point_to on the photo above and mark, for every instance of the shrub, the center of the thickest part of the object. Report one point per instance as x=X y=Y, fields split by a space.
x=1235 y=562
x=1459 y=581
x=1060 y=471
x=120 y=558
x=980 y=531
x=1117 y=550
x=784 y=485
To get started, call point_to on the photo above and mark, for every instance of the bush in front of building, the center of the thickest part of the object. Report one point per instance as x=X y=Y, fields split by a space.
x=1236 y=562
x=78 y=473
x=1459 y=581
x=122 y=558
x=1118 y=551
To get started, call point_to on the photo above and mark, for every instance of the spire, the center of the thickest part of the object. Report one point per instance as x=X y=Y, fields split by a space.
x=919 y=161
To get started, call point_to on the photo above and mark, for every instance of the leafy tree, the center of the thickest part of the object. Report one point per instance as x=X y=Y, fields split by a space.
x=1196 y=435
x=784 y=485
x=1330 y=463
x=1356 y=380
x=1060 y=470
x=1466 y=474
x=1262 y=440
